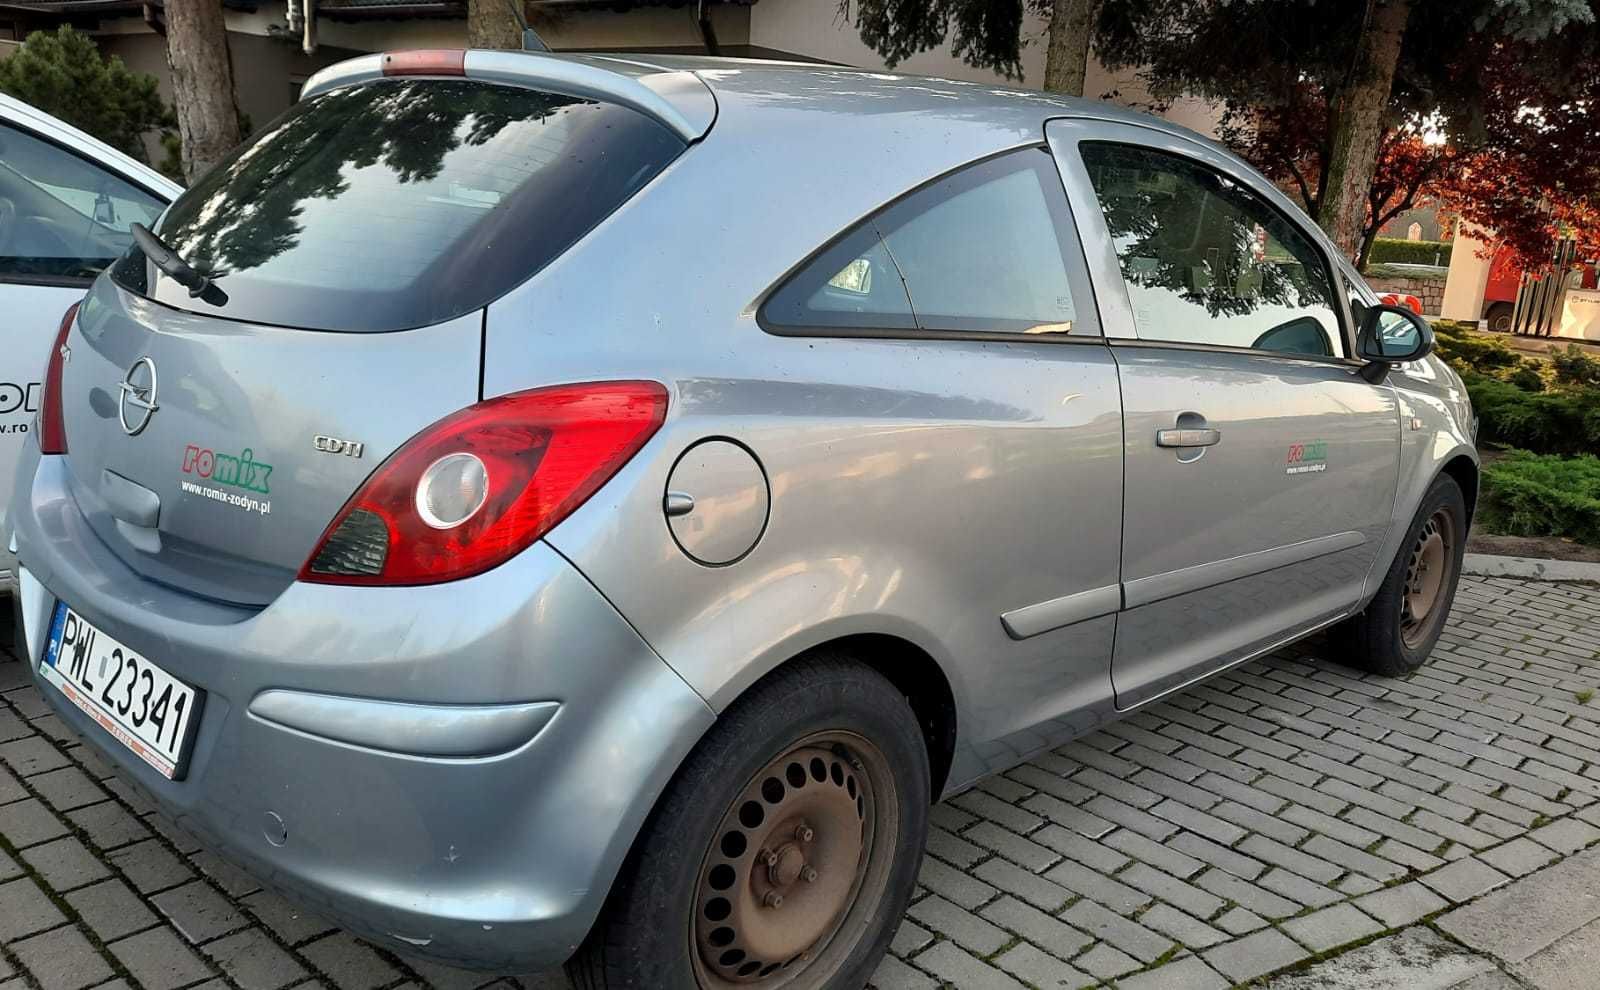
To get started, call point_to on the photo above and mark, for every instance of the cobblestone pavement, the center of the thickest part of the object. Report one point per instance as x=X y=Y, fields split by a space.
x=1250 y=825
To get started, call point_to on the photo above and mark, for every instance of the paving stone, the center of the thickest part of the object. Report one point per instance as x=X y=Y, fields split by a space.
x=1522 y=918
x=954 y=885
x=233 y=881
x=1566 y=835
x=28 y=822
x=1415 y=959
x=351 y=964
x=1398 y=906
x=1298 y=888
x=1047 y=932
x=1518 y=858
x=1154 y=853
x=67 y=788
x=1127 y=936
x=1071 y=878
x=1566 y=964
x=892 y=974
x=24 y=909
x=1187 y=931
x=11 y=788
x=149 y=866
x=1254 y=955
x=1331 y=927
x=1218 y=856
x=111 y=910
x=198 y=912
x=1038 y=891
x=32 y=755
x=1106 y=962
x=159 y=960
x=950 y=963
x=909 y=938
x=1172 y=890
x=286 y=920
x=1293 y=860
x=65 y=864
x=62 y=960
x=1182 y=974
x=254 y=962
x=108 y=825
x=1039 y=970
x=1257 y=899
x=1238 y=921
x=958 y=924
x=1465 y=879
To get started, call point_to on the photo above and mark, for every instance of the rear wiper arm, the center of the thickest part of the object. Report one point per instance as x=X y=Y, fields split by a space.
x=168 y=261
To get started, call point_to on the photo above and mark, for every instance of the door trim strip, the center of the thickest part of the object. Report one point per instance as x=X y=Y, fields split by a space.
x=1031 y=620
x=1170 y=584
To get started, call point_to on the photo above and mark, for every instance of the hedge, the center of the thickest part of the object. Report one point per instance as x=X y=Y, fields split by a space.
x=1399 y=251
x=1527 y=494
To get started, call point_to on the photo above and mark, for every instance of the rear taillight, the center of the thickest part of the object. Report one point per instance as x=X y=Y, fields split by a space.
x=479 y=486
x=52 y=428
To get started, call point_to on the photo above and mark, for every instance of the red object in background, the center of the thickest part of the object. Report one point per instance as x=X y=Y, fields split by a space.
x=1402 y=299
x=1505 y=275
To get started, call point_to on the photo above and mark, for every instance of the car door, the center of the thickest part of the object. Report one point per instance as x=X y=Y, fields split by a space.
x=1260 y=468
x=63 y=217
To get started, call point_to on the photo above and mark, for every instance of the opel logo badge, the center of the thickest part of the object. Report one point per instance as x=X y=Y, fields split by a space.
x=138 y=388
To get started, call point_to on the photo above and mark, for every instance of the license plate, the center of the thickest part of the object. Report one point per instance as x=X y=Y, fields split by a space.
x=145 y=708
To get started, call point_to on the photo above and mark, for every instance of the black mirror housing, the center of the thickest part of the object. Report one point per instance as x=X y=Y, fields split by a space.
x=1394 y=335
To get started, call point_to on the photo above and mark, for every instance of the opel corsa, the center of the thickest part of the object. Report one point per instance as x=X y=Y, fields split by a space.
x=531 y=508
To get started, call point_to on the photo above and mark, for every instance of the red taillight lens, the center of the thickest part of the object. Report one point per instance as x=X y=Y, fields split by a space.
x=52 y=428
x=426 y=62
x=476 y=488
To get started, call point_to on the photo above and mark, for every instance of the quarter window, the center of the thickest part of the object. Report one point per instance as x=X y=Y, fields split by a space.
x=61 y=217
x=1206 y=261
x=978 y=251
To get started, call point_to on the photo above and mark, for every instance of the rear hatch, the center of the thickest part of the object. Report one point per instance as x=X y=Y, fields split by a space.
x=352 y=247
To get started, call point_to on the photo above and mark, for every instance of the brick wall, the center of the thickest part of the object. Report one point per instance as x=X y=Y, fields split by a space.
x=1429 y=290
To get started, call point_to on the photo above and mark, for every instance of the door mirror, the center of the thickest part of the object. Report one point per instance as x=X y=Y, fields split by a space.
x=1394 y=335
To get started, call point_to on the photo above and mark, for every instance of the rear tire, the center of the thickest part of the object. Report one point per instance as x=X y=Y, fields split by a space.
x=785 y=849
x=1499 y=317
x=1396 y=633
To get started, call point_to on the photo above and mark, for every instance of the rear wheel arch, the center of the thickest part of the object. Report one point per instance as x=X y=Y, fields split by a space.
x=917 y=675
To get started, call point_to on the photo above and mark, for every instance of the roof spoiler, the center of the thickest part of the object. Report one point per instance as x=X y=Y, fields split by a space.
x=674 y=98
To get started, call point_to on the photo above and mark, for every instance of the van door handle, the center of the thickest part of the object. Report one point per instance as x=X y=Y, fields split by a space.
x=1188 y=438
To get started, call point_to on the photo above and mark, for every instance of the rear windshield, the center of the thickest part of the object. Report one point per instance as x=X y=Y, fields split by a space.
x=401 y=203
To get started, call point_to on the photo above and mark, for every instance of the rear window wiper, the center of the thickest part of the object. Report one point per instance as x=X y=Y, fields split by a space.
x=180 y=271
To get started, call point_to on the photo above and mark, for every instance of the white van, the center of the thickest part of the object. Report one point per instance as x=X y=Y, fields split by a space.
x=66 y=201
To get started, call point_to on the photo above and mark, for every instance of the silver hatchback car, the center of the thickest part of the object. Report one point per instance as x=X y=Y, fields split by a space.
x=535 y=508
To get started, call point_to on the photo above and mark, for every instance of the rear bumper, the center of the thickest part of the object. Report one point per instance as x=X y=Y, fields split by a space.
x=459 y=770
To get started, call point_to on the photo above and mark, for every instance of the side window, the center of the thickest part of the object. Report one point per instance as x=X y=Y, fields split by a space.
x=62 y=217
x=987 y=249
x=1207 y=261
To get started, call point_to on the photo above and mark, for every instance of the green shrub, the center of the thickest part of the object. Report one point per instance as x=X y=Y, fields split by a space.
x=1398 y=250
x=1559 y=421
x=1575 y=366
x=1471 y=351
x=1528 y=376
x=1527 y=494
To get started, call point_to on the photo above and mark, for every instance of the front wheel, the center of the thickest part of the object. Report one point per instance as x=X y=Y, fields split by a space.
x=1396 y=633
x=783 y=852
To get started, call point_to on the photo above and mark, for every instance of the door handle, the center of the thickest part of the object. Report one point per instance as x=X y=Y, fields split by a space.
x=1188 y=438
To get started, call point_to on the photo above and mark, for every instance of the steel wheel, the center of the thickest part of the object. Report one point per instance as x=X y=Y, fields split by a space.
x=799 y=856
x=1427 y=573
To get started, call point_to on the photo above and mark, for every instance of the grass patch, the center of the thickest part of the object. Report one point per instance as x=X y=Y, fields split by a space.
x=1585 y=696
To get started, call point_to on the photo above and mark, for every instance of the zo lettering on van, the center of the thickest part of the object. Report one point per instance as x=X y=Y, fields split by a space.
x=243 y=471
x=1309 y=457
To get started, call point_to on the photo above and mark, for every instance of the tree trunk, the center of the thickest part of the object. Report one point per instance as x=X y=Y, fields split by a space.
x=493 y=24
x=1356 y=118
x=1066 y=60
x=202 y=83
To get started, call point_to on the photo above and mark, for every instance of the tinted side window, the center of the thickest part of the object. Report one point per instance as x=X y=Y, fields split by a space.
x=980 y=250
x=62 y=217
x=1206 y=261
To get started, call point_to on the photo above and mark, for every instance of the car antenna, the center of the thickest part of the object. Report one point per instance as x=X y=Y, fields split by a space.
x=531 y=42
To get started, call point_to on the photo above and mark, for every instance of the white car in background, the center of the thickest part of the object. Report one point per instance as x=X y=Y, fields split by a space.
x=66 y=201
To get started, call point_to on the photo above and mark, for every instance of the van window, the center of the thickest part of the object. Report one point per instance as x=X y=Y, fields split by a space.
x=62 y=218
x=978 y=251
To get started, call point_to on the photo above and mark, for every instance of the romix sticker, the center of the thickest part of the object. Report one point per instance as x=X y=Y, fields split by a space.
x=1309 y=457
x=242 y=471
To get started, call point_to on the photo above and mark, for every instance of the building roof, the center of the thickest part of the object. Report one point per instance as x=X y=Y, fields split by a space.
x=87 y=7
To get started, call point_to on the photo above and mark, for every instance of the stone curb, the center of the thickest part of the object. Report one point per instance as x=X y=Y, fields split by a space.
x=1530 y=568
